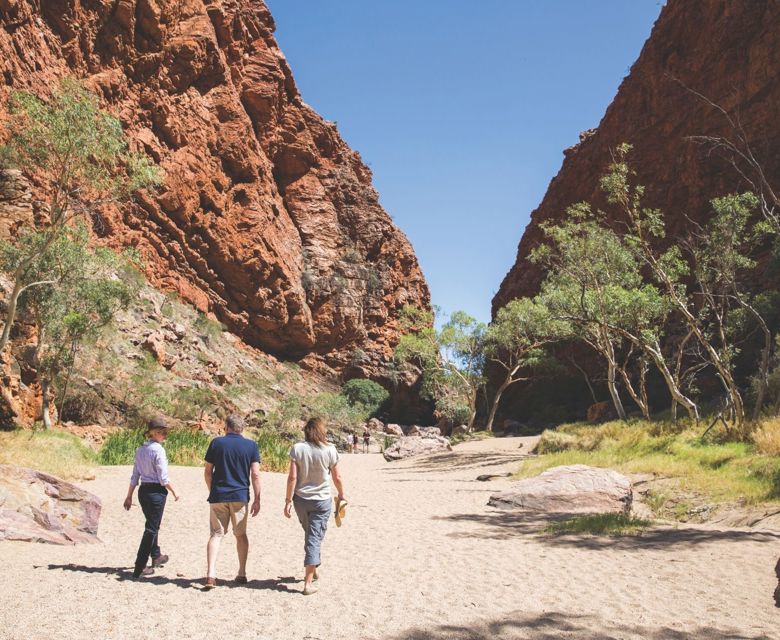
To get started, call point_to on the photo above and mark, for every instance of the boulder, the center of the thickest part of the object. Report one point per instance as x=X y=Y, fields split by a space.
x=429 y=432
x=394 y=429
x=410 y=446
x=412 y=430
x=154 y=343
x=374 y=424
x=575 y=488
x=37 y=507
x=459 y=430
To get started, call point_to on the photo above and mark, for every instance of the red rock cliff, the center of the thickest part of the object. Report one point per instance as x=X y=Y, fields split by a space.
x=727 y=51
x=266 y=219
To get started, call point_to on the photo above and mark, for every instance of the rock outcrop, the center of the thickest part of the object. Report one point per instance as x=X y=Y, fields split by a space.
x=575 y=488
x=37 y=507
x=267 y=219
x=728 y=52
x=410 y=446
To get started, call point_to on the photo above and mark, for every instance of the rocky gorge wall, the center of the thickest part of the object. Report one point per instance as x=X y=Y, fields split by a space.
x=266 y=218
x=729 y=52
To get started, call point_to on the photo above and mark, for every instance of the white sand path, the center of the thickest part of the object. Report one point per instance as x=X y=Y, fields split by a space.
x=420 y=556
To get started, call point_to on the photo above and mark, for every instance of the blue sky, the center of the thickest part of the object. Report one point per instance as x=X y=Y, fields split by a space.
x=462 y=110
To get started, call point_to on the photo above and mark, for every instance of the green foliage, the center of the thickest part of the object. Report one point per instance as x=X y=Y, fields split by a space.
x=208 y=328
x=183 y=447
x=274 y=450
x=451 y=360
x=79 y=294
x=367 y=393
x=719 y=471
x=75 y=143
x=337 y=411
x=599 y=524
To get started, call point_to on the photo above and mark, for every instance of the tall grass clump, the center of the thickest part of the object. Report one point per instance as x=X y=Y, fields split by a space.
x=719 y=470
x=56 y=452
x=274 y=450
x=599 y=524
x=184 y=447
x=767 y=437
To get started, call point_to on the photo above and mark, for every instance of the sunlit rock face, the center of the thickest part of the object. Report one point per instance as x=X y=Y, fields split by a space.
x=729 y=53
x=267 y=219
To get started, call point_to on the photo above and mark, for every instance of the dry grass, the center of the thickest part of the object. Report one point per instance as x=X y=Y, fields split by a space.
x=767 y=437
x=722 y=471
x=599 y=524
x=55 y=452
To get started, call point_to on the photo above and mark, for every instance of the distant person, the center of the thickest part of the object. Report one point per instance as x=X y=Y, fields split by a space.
x=150 y=468
x=312 y=464
x=232 y=461
x=348 y=441
x=366 y=440
x=355 y=442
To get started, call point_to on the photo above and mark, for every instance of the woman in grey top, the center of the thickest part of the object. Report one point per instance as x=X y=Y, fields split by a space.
x=312 y=464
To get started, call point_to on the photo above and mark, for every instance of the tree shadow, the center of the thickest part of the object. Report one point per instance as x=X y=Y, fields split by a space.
x=454 y=461
x=510 y=524
x=125 y=573
x=553 y=626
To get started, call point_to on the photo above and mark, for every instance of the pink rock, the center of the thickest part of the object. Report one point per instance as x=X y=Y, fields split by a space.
x=410 y=446
x=575 y=488
x=37 y=507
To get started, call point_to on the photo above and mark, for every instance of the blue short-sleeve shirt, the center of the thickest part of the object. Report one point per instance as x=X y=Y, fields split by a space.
x=232 y=456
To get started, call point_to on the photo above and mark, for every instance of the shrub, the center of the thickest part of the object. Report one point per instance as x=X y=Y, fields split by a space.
x=183 y=446
x=337 y=410
x=368 y=393
x=767 y=438
x=555 y=441
x=274 y=450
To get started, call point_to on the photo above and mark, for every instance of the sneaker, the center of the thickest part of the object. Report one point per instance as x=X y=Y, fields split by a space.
x=209 y=583
x=241 y=580
x=159 y=560
x=146 y=571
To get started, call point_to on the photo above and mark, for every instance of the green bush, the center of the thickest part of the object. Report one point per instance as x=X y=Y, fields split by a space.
x=337 y=411
x=599 y=524
x=368 y=393
x=274 y=450
x=183 y=447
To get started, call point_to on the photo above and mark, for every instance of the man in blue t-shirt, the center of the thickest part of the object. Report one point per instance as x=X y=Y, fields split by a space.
x=231 y=461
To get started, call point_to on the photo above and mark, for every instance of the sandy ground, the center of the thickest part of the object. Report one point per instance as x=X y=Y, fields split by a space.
x=420 y=556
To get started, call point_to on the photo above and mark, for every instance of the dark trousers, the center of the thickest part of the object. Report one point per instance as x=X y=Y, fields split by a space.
x=152 y=498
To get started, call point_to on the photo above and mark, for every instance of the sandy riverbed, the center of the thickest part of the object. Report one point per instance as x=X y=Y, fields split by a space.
x=420 y=556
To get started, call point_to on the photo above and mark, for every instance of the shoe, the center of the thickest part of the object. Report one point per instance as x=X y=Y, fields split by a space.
x=340 y=510
x=307 y=591
x=159 y=560
x=146 y=571
x=241 y=580
x=209 y=583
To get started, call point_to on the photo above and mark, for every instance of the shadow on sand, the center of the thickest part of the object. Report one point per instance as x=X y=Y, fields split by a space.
x=507 y=524
x=554 y=626
x=123 y=573
x=443 y=462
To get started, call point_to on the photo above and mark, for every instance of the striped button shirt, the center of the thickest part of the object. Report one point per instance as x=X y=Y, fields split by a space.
x=151 y=464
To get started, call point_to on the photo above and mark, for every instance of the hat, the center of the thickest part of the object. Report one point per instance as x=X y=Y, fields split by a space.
x=158 y=422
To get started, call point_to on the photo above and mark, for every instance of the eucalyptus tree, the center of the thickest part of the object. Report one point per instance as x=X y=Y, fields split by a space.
x=80 y=157
x=595 y=283
x=451 y=359
x=81 y=291
x=515 y=342
x=645 y=231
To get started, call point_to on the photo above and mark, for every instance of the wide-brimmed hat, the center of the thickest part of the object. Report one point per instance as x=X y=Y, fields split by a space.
x=157 y=423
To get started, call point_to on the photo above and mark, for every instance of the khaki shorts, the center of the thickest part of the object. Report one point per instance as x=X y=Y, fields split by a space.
x=225 y=514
